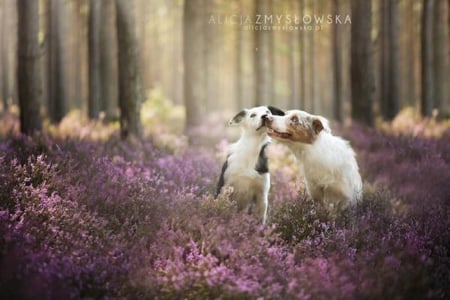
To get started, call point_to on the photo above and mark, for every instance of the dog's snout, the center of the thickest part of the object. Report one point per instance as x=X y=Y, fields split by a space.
x=267 y=119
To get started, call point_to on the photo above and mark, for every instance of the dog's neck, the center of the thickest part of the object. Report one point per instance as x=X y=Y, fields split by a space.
x=253 y=140
x=249 y=145
x=298 y=148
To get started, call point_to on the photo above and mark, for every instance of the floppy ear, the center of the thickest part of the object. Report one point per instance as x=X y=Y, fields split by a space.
x=238 y=118
x=325 y=124
x=317 y=126
x=275 y=111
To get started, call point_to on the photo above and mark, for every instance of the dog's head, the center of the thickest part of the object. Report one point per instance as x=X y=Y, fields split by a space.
x=296 y=126
x=253 y=119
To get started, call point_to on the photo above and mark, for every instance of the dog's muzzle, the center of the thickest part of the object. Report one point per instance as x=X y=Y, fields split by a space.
x=263 y=122
x=267 y=119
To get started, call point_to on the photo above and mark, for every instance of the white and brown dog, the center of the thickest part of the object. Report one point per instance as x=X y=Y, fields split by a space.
x=246 y=168
x=327 y=161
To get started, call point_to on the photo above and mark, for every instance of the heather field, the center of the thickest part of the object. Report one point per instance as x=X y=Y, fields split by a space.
x=86 y=215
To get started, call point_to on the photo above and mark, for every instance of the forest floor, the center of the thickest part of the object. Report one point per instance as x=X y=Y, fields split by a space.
x=86 y=215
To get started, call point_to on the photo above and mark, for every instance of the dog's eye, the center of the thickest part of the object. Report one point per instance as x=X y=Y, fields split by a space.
x=252 y=115
x=294 y=119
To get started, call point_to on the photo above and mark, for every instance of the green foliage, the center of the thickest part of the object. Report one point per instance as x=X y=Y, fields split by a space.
x=163 y=121
x=159 y=114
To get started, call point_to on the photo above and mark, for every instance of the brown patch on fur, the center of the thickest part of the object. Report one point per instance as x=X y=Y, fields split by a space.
x=299 y=133
x=317 y=126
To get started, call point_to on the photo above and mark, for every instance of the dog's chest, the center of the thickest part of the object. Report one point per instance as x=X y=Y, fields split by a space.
x=246 y=161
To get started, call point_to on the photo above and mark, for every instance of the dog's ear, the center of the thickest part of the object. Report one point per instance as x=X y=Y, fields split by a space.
x=275 y=111
x=317 y=126
x=238 y=118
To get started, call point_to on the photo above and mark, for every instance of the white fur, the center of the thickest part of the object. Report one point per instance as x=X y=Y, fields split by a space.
x=328 y=163
x=247 y=183
x=250 y=188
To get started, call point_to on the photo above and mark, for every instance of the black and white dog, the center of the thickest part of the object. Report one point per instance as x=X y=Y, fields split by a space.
x=246 y=168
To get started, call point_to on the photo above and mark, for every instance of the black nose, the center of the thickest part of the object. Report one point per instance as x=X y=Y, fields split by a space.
x=267 y=119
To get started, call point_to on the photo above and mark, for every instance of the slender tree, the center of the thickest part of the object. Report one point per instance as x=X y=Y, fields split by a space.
x=108 y=60
x=29 y=67
x=238 y=81
x=337 y=66
x=409 y=85
x=427 y=100
x=313 y=103
x=95 y=92
x=294 y=62
x=2 y=32
x=384 y=51
x=5 y=53
x=441 y=56
x=102 y=60
x=76 y=57
x=82 y=82
x=57 y=100
x=194 y=62
x=302 y=83
x=129 y=80
x=361 y=67
x=389 y=69
x=263 y=56
x=212 y=35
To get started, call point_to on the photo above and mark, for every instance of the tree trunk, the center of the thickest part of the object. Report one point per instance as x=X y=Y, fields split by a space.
x=76 y=27
x=361 y=68
x=95 y=91
x=410 y=86
x=239 y=63
x=427 y=101
x=108 y=61
x=4 y=105
x=129 y=80
x=212 y=44
x=263 y=57
x=29 y=68
x=312 y=60
x=57 y=102
x=302 y=100
x=337 y=66
x=393 y=104
x=194 y=62
x=441 y=58
x=294 y=62
x=103 y=60
x=390 y=80
x=68 y=45
x=384 y=52
x=83 y=53
x=146 y=45
x=5 y=55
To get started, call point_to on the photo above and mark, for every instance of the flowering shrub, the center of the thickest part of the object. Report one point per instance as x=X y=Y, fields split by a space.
x=94 y=218
x=53 y=243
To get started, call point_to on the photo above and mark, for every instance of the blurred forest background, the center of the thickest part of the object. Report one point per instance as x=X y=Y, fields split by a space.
x=361 y=59
x=124 y=103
